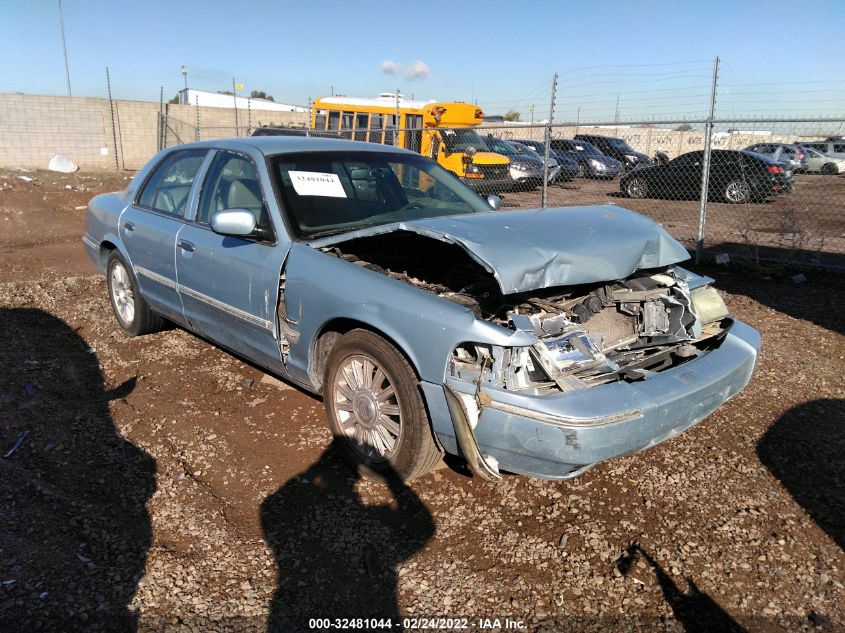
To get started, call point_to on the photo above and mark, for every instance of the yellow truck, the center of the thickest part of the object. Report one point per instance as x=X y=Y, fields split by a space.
x=442 y=131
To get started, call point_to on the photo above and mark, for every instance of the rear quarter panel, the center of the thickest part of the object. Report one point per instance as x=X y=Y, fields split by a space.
x=101 y=225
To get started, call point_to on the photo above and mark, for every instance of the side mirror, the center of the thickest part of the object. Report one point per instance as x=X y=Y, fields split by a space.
x=236 y=222
x=495 y=202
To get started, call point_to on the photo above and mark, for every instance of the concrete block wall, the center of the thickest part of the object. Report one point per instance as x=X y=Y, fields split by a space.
x=33 y=128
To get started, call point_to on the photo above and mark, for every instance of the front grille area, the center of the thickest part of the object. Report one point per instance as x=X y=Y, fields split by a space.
x=494 y=172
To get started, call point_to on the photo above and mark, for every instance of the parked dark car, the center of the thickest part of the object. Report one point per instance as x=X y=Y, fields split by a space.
x=735 y=176
x=592 y=163
x=617 y=148
x=569 y=167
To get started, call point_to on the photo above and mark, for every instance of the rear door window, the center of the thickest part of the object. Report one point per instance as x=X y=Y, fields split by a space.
x=167 y=189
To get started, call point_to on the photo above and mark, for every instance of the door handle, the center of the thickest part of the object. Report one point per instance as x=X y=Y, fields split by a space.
x=129 y=226
x=185 y=246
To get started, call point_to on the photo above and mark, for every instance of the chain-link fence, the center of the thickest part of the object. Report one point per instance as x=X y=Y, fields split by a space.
x=775 y=189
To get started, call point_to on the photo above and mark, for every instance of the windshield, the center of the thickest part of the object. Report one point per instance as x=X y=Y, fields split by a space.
x=461 y=140
x=325 y=193
x=504 y=147
x=621 y=145
x=813 y=153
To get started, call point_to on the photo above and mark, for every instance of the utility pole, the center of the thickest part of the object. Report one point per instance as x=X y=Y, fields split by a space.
x=705 y=166
x=616 y=116
x=64 y=47
x=184 y=70
x=547 y=143
x=531 y=110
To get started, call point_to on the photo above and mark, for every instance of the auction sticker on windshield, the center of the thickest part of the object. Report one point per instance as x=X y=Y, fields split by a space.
x=315 y=183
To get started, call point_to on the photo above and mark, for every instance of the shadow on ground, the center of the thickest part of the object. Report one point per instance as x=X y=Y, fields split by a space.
x=694 y=610
x=337 y=557
x=75 y=531
x=804 y=449
x=819 y=299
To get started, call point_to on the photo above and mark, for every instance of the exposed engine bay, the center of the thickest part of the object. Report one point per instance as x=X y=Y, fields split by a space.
x=587 y=334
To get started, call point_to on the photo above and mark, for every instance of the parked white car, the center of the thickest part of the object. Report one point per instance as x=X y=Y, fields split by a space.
x=818 y=163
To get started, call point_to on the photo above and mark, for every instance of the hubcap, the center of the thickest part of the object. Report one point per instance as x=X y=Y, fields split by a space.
x=121 y=293
x=737 y=191
x=636 y=188
x=367 y=407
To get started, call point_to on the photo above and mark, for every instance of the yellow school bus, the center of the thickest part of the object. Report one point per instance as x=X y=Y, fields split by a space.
x=442 y=131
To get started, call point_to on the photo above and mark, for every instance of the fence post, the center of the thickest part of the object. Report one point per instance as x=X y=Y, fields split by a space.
x=235 y=102
x=160 y=109
x=547 y=142
x=113 y=129
x=705 y=166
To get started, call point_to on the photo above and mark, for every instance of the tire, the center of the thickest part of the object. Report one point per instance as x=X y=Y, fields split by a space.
x=132 y=313
x=636 y=188
x=829 y=169
x=384 y=433
x=737 y=192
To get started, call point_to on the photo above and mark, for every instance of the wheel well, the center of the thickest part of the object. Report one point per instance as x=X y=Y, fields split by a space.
x=331 y=333
x=106 y=248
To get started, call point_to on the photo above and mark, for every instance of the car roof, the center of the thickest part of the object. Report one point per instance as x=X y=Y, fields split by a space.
x=270 y=145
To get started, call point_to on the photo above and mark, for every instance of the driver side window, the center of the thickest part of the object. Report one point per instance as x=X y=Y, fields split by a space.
x=232 y=183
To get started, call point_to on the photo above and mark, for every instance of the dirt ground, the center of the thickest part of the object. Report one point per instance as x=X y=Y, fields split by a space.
x=160 y=483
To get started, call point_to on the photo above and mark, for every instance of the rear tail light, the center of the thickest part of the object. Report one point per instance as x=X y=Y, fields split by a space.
x=774 y=169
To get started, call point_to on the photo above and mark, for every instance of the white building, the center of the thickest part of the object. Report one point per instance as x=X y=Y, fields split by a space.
x=218 y=100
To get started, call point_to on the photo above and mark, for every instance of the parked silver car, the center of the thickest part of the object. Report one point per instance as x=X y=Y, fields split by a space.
x=834 y=148
x=818 y=163
x=537 y=342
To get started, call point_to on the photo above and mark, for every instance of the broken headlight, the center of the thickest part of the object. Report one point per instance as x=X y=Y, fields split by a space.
x=708 y=304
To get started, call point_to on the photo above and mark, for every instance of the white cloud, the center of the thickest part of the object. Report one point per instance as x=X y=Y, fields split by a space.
x=390 y=67
x=418 y=70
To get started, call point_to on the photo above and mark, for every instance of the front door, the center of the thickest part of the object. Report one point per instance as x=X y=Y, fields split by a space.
x=230 y=285
x=149 y=225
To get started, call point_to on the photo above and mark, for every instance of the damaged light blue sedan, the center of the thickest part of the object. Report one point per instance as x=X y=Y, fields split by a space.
x=537 y=342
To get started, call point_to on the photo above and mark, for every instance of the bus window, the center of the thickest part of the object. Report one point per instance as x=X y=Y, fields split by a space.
x=390 y=129
x=413 y=135
x=376 y=122
x=334 y=120
x=346 y=124
x=320 y=120
x=361 y=126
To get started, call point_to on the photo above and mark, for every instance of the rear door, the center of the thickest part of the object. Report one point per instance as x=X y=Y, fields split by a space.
x=149 y=225
x=230 y=285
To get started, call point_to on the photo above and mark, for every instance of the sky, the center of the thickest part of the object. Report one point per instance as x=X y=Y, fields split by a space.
x=615 y=59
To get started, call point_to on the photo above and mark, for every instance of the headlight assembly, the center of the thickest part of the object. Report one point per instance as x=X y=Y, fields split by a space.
x=708 y=304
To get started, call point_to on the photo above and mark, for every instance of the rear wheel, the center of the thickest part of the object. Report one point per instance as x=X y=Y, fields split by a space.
x=636 y=188
x=374 y=404
x=737 y=192
x=131 y=311
x=829 y=169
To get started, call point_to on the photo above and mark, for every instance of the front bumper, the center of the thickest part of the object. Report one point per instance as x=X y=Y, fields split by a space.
x=559 y=437
x=489 y=185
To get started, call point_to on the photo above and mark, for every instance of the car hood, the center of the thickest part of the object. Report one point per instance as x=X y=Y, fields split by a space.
x=543 y=248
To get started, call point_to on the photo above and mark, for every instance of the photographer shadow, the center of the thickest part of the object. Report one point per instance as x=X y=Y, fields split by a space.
x=74 y=527
x=337 y=557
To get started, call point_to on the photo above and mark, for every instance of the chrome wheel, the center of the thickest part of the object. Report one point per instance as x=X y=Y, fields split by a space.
x=636 y=188
x=367 y=407
x=737 y=191
x=121 y=293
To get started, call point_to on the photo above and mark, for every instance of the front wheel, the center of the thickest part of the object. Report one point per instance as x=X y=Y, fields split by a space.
x=636 y=188
x=829 y=169
x=133 y=314
x=374 y=404
x=737 y=192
